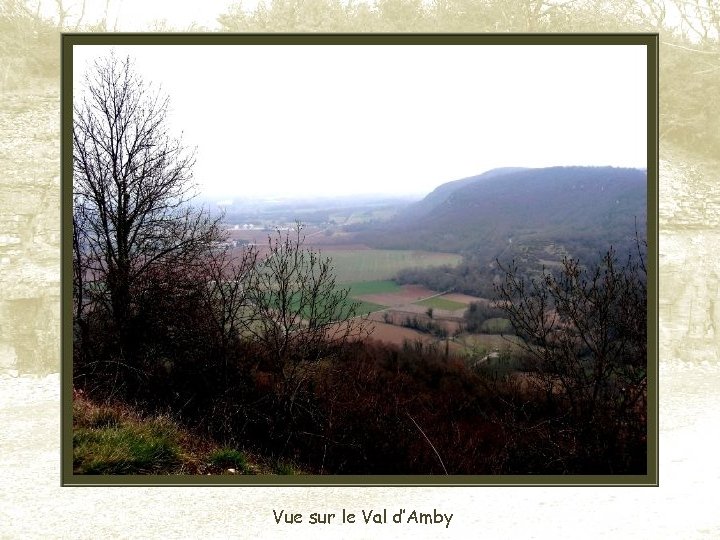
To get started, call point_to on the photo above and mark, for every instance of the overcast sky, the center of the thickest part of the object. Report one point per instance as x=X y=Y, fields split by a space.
x=338 y=120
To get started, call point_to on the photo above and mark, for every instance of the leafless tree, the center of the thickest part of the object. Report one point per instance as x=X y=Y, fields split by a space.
x=699 y=21
x=300 y=315
x=132 y=183
x=585 y=330
x=585 y=333
x=228 y=279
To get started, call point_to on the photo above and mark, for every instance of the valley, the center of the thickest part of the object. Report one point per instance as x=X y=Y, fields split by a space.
x=413 y=265
x=322 y=335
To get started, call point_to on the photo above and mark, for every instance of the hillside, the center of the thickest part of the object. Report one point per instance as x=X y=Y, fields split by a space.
x=439 y=195
x=541 y=213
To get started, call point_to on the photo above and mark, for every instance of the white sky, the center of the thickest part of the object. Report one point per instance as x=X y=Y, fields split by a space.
x=337 y=120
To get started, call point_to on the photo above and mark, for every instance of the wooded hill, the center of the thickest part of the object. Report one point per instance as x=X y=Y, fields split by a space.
x=551 y=210
x=533 y=217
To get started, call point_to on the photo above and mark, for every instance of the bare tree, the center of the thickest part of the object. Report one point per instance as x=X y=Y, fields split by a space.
x=699 y=21
x=300 y=315
x=228 y=279
x=586 y=329
x=133 y=182
x=585 y=334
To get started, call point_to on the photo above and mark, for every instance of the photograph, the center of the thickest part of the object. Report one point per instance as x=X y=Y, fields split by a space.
x=359 y=268
x=398 y=258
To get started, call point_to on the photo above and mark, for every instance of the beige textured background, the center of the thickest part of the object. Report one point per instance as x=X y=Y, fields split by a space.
x=32 y=503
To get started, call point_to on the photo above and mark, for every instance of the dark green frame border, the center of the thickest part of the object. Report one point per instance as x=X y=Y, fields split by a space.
x=650 y=41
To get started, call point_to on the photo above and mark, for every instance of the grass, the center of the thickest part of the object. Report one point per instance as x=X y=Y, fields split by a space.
x=362 y=307
x=360 y=288
x=497 y=325
x=500 y=366
x=151 y=447
x=115 y=439
x=367 y=307
x=229 y=458
x=352 y=266
x=285 y=469
x=438 y=302
x=490 y=342
x=500 y=355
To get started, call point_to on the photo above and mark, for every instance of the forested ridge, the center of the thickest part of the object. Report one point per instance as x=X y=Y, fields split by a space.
x=534 y=217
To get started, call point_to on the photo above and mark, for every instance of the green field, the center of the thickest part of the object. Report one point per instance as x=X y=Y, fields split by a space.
x=362 y=308
x=438 y=302
x=497 y=325
x=359 y=288
x=367 y=307
x=352 y=266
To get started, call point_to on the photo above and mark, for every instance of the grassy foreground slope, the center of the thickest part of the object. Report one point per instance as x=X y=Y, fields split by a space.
x=116 y=439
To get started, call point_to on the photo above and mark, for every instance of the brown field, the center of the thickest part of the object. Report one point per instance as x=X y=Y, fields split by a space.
x=397 y=335
x=260 y=239
x=397 y=317
x=343 y=240
x=258 y=236
x=314 y=237
x=391 y=333
x=444 y=314
x=420 y=312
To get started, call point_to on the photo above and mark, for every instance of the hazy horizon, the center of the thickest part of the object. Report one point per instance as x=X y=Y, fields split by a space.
x=224 y=197
x=330 y=120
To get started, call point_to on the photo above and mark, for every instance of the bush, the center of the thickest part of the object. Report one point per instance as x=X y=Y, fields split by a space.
x=285 y=469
